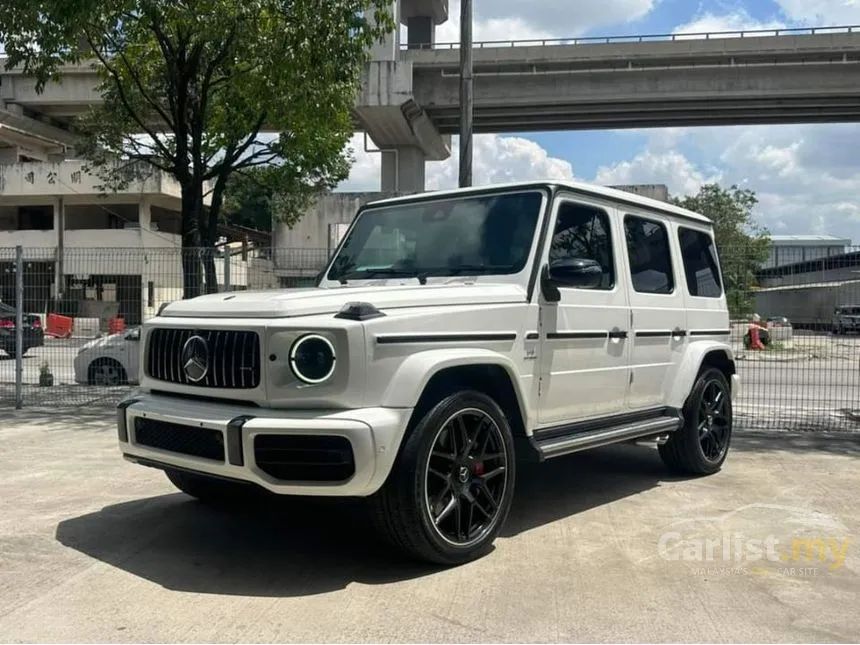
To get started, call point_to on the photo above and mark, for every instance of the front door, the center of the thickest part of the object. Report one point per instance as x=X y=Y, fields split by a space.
x=657 y=308
x=583 y=337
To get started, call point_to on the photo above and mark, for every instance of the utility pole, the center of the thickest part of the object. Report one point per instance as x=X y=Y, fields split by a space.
x=465 y=93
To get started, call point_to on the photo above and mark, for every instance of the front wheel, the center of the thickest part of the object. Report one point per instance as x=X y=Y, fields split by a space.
x=701 y=445
x=451 y=489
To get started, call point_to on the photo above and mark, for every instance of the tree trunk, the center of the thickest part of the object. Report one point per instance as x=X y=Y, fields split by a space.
x=191 y=277
x=209 y=269
x=210 y=232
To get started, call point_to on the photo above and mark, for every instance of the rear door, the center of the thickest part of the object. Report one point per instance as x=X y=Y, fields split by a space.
x=658 y=316
x=707 y=315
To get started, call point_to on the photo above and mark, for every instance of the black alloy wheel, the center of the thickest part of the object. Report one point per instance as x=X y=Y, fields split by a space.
x=701 y=444
x=465 y=477
x=450 y=491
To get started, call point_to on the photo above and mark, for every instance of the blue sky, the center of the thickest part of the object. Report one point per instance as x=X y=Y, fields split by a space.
x=806 y=177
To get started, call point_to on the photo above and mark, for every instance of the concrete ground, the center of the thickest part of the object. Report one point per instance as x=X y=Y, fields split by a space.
x=93 y=549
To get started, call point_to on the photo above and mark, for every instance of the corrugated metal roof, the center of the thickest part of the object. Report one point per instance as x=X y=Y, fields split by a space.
x=811 y=239
x=812 y=285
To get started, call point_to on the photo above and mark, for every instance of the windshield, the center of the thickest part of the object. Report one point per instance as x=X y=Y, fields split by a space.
x=475 y=235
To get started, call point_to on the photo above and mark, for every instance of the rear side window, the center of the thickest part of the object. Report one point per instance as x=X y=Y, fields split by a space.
x=701 y=265
x=649 y=254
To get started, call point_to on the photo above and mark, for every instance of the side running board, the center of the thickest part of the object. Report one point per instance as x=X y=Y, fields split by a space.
x=557 y=446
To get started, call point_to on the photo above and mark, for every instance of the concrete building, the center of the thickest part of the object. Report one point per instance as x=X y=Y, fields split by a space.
x=104 y=255
x=794 y=249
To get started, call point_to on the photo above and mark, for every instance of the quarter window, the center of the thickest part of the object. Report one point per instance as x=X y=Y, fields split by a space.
x=649 y=255
x=582 y=232
x=701 y=264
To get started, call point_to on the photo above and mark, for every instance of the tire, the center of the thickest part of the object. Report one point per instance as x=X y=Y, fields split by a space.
x=691 y=450
x=209 y=490
x=427 y=478
x=106 y=372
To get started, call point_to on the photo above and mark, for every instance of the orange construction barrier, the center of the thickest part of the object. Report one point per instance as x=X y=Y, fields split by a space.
x=755 y=340
x=59 y=326
x=116 y=325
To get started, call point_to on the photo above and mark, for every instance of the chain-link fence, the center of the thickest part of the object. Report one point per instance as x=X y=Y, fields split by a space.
x=799 y=364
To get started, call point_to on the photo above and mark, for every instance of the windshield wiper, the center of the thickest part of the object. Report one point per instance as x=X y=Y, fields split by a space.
x=387 y=272
x=479 y=268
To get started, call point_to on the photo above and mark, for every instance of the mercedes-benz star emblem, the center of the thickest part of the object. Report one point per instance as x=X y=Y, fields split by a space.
x=195 y=358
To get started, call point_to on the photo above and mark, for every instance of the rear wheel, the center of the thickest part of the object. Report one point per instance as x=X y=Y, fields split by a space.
x=210 y=490
x=701 y=445
x=450 y=491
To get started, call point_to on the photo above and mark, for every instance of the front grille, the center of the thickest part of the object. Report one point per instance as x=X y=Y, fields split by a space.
x=234 y=357
x=304 y=458
x=186 y=440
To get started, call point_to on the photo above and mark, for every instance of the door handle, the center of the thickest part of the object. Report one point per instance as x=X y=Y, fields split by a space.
x=617 y=334
x=679 y=333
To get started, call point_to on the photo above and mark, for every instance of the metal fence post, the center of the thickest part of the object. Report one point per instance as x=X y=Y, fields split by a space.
x=19 y=327
x=228 y=260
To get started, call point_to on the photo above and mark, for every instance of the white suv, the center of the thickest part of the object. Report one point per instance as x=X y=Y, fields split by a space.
x=451 y=334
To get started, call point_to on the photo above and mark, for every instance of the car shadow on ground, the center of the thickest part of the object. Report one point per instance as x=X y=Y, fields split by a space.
x=278 y=547
x=295 y=547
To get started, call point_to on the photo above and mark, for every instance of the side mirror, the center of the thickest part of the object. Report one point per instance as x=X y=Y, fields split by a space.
x=578 y=273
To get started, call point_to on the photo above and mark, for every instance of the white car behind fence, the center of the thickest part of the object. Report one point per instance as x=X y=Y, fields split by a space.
x=110 y=360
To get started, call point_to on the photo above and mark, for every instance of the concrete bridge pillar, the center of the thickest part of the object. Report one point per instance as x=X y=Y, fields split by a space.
x=421 y=18
x=389 y=48
x=403 y=170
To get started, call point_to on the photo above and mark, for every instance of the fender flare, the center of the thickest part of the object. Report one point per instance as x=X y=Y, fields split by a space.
x=411 y=378
x=689 y=368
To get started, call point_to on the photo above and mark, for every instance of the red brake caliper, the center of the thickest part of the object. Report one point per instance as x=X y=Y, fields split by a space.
x=479 y=468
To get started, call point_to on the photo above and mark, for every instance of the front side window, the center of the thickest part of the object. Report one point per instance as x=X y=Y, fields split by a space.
x=582 y=232
x=701 y=265
x=489 y=234
x=649 y=254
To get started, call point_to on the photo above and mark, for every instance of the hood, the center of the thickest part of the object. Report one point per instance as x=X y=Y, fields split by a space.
x=316 y=301
x=102 y=341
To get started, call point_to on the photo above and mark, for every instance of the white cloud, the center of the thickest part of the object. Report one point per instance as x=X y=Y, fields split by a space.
x=667 y=167
x=805 y=177
x=821 y=12
x=514 y=20
x=736 y=21
x=495 y=159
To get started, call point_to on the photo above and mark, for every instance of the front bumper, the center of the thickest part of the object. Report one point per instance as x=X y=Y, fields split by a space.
x=372 y=434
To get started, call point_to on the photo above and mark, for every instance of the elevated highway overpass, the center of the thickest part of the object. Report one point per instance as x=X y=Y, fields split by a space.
x=409 y=102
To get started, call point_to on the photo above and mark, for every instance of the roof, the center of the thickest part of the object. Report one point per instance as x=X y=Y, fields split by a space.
x=815 y=240
x=807 y=285
x=593 y=190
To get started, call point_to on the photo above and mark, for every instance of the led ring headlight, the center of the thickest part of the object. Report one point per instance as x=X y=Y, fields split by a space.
x=312 y=359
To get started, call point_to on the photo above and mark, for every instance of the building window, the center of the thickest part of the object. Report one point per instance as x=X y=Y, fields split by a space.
x=649 y=254
x=701 y=265
x=35 y=218
x=150 y=294
x=582 y=232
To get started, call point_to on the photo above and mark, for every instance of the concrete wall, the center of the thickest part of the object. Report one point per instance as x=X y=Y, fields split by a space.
x=312 y=230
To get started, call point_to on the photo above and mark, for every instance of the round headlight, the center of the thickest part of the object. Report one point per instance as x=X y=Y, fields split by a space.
x=312 y=359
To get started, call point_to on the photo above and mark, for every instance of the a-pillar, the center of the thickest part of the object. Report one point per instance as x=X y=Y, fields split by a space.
x=403 y=170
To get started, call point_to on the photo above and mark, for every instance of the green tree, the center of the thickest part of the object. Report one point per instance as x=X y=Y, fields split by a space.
x=259 y=197
x=742 y=244
x=191 y=86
